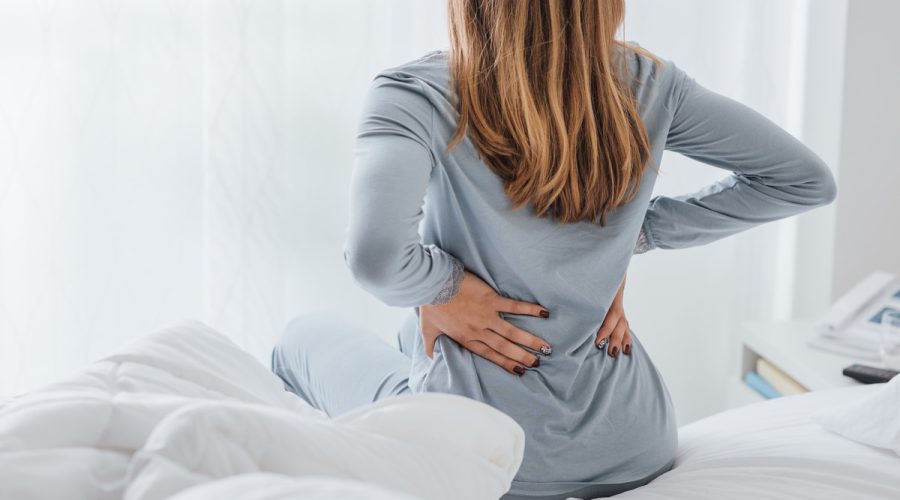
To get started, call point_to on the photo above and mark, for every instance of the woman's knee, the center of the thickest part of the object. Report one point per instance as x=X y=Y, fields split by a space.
x=308 y=331
x=301 y=332
x=301 y=329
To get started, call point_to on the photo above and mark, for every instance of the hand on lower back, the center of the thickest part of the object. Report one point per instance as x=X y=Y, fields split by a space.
x=615 y=327
x=473 y=320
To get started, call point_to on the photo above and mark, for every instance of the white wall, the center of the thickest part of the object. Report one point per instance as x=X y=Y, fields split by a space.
x=867 y=236
x=100 y=175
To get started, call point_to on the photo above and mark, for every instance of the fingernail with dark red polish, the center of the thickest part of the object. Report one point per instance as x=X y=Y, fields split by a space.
x=545 y=313
x=627 y=349
x=519 y=370
x=615 y=350
x=537 y=363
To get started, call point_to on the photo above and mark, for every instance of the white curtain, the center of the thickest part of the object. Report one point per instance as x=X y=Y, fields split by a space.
x=163 y=160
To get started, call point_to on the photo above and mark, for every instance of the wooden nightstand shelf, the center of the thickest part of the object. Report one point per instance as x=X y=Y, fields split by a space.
x=784 y=344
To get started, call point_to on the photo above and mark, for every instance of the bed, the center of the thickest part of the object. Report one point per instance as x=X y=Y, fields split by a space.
x=184 y=413
x=775 y=450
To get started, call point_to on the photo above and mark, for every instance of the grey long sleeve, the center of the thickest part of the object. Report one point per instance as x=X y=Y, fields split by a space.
x=392 y=166
x=774 y=174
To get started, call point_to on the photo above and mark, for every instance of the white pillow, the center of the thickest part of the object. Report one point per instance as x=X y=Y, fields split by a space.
x=873 y=420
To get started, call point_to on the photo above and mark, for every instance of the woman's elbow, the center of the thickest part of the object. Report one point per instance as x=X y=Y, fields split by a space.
x=379 y=272
x=376 y=263
x=368 y=268
x=825 y=186
x=816 y=186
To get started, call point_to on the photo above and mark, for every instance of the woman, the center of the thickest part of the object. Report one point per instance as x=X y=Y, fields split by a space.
x=528 y=146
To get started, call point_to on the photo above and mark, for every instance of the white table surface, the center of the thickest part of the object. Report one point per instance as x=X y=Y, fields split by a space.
x=784 y=344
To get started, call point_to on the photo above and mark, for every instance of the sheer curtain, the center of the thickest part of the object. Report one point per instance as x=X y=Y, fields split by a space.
x=165 y=160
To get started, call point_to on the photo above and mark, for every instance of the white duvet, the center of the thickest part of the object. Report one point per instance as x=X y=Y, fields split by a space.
x=184 y=413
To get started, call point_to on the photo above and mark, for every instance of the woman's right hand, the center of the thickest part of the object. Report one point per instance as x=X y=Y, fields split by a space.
x=472 y=318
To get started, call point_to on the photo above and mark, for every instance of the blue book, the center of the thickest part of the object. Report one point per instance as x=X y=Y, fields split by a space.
x=760 y=385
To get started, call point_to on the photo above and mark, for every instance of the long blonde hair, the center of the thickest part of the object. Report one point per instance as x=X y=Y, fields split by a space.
x=540 y=90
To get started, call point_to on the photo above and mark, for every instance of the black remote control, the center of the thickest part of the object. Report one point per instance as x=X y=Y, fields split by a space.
x=869 y=374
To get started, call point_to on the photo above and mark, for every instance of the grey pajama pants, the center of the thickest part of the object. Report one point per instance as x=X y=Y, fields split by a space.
x=336 y=365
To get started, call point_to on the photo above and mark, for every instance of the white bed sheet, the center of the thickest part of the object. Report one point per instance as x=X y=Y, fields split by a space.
x=773 y=450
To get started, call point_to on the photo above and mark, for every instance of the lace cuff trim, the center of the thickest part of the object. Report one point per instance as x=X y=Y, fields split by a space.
x=643 y=244
x=451 y=287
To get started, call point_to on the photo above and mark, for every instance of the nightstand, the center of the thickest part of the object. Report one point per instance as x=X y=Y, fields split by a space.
x=784 y=344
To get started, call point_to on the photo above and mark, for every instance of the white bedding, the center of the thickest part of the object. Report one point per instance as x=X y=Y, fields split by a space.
x=774 y=450
x=185 y=414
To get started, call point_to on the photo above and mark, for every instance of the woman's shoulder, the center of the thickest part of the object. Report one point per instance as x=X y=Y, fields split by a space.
x=655 y=79
x=414 y=88
x=403 y=97
x=641 y=64
x=431 y=59
x=432 y=69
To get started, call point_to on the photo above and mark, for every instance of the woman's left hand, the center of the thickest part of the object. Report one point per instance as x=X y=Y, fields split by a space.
x=615 y=327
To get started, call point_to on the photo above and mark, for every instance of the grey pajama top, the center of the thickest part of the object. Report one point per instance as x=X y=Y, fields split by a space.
x=419 y=214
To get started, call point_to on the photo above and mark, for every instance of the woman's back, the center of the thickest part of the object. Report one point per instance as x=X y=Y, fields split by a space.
x=588 y=417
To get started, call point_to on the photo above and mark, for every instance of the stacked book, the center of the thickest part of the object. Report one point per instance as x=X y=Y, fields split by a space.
x=771 y=382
